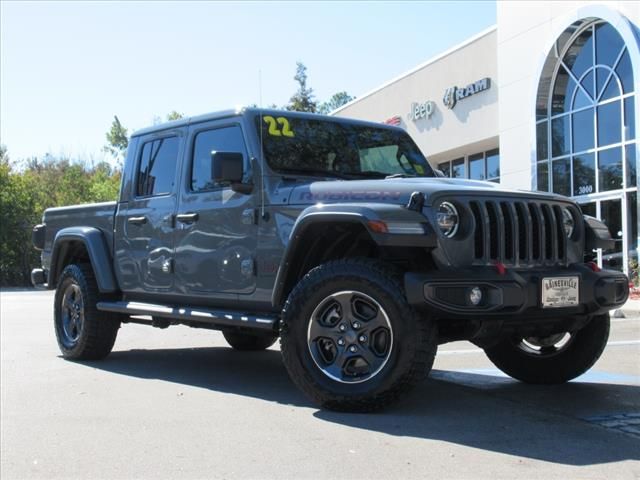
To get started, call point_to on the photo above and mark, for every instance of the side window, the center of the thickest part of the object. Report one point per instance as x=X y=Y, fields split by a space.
x=225 y=139
x=157 y=168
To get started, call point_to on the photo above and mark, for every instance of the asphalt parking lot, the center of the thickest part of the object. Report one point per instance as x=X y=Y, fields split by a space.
x=179 y=403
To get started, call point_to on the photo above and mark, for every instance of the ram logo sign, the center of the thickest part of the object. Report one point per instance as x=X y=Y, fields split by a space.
x=454 y=94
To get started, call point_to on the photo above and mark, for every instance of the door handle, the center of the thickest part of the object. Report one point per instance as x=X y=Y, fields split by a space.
x=187 y=217
x=137 y=220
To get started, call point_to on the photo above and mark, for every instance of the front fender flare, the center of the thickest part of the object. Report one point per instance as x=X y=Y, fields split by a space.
x=351 y=213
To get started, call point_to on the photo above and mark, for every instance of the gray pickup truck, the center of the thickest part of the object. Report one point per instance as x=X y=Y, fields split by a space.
x=337 y=236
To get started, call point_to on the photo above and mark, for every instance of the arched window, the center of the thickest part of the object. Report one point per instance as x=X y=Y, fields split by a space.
x=585 y=114
x=586 y=133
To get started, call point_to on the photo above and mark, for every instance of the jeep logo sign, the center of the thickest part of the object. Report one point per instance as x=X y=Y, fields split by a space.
x=453 y=94
x=421 y=110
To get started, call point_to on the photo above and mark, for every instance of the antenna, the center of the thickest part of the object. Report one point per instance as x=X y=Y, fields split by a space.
x=262 y=214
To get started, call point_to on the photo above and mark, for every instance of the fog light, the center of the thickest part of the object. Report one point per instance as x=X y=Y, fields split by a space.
x=475 y=296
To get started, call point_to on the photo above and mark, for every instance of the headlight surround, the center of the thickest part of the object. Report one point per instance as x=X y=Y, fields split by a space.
x=448 y=219
x=568 y=222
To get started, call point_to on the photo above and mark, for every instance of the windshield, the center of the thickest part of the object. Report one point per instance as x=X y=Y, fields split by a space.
x=322 y=147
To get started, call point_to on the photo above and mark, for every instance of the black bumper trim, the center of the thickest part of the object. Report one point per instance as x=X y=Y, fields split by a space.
x=516 y=292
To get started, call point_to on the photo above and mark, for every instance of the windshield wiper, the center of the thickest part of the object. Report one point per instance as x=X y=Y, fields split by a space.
x=316 y=171
x=401 y=175
x=369 y=173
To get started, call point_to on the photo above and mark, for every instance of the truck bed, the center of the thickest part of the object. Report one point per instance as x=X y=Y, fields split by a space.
x=97 y=215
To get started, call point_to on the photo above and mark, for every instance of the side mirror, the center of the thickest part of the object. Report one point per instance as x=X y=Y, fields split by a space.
x=227 y=167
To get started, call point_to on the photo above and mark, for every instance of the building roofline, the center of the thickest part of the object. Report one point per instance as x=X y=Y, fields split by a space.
x=459 y=46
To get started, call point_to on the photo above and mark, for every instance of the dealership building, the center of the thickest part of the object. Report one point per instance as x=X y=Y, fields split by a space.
x=544 y=100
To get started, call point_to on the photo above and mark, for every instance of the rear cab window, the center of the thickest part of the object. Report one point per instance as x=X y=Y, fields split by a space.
x=157 y=167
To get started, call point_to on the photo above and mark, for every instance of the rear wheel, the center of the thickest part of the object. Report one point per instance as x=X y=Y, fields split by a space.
x=82 y=331
x=249 y=341
x=555 y=358
x=349 y=338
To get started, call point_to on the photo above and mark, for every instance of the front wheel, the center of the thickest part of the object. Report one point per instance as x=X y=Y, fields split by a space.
x=350 y=340
x=552 y=359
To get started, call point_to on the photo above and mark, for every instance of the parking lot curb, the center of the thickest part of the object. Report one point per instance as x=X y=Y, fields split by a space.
x=629 y=309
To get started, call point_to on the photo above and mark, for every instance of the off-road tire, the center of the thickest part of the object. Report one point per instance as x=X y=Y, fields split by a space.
x=583 y=350
x=249 y=342
x=99 y=329
x=410 y=357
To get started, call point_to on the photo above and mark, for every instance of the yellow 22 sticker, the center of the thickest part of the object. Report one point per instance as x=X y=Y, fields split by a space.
x=275 y=124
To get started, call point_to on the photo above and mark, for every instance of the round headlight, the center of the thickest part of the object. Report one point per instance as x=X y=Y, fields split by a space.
x=448 y=219
x=567 y=221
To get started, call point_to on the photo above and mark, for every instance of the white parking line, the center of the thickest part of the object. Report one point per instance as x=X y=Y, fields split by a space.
x=478 y=350
x=624 y=342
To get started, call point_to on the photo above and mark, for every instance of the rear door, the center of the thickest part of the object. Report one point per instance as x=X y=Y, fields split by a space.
x=216 y=231
x=144 y=251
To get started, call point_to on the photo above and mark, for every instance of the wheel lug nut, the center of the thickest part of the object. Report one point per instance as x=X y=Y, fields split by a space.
x=353 y=349
x=341 y=342
x=363 y=338
x=342 y=327
x=356 y=325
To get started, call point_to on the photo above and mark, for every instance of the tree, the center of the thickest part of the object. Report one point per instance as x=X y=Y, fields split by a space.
x=302 y=100
x=336 y=101
x=117 y=139
x=174 y=115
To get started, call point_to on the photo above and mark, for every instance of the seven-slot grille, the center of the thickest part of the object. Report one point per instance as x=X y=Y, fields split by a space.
x=518 y=232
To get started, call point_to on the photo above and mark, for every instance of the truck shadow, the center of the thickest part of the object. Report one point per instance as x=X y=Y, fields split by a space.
x=550 y=423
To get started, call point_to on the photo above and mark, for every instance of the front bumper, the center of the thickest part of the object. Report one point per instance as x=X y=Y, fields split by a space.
x=513 y=292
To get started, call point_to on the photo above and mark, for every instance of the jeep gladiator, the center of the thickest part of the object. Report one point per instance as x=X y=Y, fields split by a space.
x=338 y=237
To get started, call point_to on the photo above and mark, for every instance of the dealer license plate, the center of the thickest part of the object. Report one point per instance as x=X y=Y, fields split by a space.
x=560 y=292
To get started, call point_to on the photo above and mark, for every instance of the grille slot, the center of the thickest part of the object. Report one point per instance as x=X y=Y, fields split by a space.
x=478 y=234
x=518 y=232
x=493 y=230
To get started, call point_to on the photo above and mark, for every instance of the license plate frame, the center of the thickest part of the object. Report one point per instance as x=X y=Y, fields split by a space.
x=559 y=292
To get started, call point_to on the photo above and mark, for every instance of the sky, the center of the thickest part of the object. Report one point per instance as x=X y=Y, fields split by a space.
x=66 y=68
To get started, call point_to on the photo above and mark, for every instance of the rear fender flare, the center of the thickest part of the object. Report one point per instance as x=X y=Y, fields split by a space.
x=97 y=250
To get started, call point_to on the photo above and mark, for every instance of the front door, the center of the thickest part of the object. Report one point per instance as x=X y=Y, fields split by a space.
x=216 y=231
x=612 y=211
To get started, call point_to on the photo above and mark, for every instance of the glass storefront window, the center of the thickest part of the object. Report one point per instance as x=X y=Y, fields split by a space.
x=562 y=92
x=445 y=168
x=629 y=119
x=457 y=168
x=583 y=130
x=608 y=44
x=493 y=165
x=476 y=167
x=630 y=155
x=584 y=174
x=479 y=166
x=609 y=129
x=632 y=237
x=561 y=177
x=543 y=176
x=610 y=169
x=579 y=55
x=542 y=151
x=560 y=136
x=623 y=70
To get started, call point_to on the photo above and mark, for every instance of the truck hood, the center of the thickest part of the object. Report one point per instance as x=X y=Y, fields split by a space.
x=398 y=190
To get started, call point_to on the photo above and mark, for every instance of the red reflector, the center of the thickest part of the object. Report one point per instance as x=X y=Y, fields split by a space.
x=500 y=268
x=377 y=226
x=593 y=266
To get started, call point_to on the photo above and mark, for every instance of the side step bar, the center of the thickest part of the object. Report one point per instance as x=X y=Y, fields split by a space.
x=189 y=316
